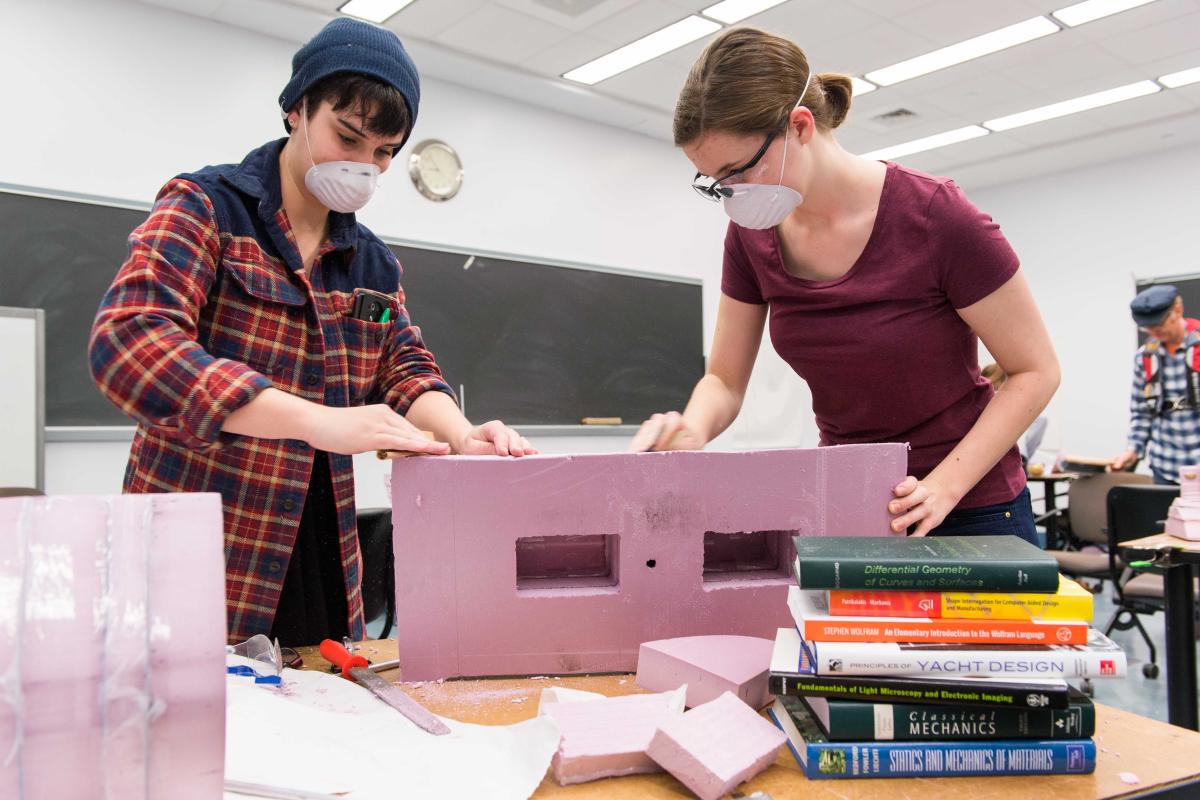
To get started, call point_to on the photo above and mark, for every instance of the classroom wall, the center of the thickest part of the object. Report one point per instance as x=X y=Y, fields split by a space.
x=113 y=97
x=1082 y=237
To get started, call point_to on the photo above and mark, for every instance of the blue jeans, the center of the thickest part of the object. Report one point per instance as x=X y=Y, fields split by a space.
x=1014 y=518
x=1161 y=479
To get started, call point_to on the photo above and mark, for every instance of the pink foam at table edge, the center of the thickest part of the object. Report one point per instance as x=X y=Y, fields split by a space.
x=135 y=617
x=609 y=737
x=457 y=519
x=709 y=665
x=716 y=746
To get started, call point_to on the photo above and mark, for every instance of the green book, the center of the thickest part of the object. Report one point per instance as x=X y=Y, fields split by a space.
x=849 y=721
x=938 y=563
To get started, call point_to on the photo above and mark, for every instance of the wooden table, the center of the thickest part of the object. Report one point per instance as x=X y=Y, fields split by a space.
x=1178 y=559
x=1050 y=511
x=1160 y=757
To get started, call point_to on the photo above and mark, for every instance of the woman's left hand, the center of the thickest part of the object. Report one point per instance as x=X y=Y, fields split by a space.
x=494 y=439
x=921 y=503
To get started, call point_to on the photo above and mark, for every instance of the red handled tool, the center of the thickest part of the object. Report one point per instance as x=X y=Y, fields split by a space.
x=357 y=668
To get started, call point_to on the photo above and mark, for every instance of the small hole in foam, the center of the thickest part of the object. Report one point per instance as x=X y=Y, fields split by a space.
x=651 y=563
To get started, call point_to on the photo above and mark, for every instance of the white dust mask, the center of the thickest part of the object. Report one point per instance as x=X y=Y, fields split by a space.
x=758 y=205
x=343 y=186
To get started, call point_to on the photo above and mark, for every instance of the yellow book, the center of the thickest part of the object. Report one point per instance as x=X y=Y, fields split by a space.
x=1070 y=602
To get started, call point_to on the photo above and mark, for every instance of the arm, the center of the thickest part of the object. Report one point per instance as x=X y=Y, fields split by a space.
x=1139 y=421
x=718 y=396
x=143 y=351
x=1008 y=323
x=411 y=383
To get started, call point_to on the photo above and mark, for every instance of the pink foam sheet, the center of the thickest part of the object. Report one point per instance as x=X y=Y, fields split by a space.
x=112 y=647
x=566 y=564
x=608 y=737
x=715 y=747
x=710 y=666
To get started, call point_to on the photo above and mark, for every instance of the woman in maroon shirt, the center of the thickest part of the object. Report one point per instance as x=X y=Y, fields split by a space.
x=878 y=282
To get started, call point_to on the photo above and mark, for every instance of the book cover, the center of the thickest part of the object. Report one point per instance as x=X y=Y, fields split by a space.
x=940 y=563
x=1070 y=602
x=849 y=721
x=786 y=679
x=821 y=758
x=1099 y=658
x=810 y=609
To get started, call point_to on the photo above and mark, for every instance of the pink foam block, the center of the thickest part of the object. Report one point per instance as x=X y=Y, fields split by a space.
x=710 y=666
x=716 y=746
x=561 y=564
x=112 y=647
x=604 y=738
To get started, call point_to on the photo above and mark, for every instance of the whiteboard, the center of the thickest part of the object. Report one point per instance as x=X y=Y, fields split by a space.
x=22 y=397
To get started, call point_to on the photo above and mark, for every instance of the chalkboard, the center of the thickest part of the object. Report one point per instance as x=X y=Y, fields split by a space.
x=1189 y=290
x=530 y=342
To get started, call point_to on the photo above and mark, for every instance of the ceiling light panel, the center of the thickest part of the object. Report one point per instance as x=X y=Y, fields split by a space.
x=377 y=11
x=927 y=143
x=648 y=47
x=1090 y=10
x=731 y=11
x=966 y=50
x=1182 y=78
x=1073 y=106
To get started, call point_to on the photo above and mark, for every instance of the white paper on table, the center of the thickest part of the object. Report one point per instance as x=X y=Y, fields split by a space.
x=321 y=733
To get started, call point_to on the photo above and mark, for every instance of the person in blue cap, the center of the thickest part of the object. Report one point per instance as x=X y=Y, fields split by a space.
x=1165 y=404
x=258 y=335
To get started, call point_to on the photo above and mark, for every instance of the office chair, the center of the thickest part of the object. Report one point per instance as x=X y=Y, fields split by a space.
x=1134 y=512
x=378 y=566
x=1087 y=518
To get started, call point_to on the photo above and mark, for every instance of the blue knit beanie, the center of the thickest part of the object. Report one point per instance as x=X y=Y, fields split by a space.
x=350 y=45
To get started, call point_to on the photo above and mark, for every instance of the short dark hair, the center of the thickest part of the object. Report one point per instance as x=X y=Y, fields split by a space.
x=381 y=106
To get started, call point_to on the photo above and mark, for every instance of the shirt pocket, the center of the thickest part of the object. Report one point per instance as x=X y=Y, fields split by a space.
x=366 y=343
x=258 y=317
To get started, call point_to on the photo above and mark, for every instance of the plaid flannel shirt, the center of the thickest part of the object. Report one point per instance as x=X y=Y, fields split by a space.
x=211 y=307
x=1171 y=440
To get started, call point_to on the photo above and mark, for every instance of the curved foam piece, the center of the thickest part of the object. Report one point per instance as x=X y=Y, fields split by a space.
x=709 y=666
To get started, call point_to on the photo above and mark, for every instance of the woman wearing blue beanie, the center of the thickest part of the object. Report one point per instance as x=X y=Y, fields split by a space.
x=257 y=334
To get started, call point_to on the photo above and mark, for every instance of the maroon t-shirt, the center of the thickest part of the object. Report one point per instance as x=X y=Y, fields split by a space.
x=885 y=354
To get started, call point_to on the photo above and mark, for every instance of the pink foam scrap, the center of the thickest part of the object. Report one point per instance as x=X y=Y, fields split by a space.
x=716 y=746
x=112 y=647
x=709 y=666
x=609 y=737
x=473 y=599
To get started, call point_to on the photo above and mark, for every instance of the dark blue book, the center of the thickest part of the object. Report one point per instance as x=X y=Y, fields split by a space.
x=822 y=759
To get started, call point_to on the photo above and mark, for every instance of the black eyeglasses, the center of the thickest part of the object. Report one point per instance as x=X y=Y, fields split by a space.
x=713 y=190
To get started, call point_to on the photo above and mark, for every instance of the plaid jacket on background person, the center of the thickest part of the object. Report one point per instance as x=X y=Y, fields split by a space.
x=211 y=307
x=1172 y=440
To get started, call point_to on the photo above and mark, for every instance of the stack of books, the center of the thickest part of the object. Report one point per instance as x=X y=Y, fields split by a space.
x=936 y=656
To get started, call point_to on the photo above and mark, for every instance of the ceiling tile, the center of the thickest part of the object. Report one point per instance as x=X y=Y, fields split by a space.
x=1136 y=18
x=570 y=14
x=567 y=54
x=1179 y=35
x=655 y=83
x=951 y=21
x=502 y=35
x=1099 y=120
x=637 y=21
x=427 y=18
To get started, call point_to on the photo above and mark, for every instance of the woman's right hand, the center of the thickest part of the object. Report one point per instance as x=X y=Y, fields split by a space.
x=360 y=429
x=666 y=432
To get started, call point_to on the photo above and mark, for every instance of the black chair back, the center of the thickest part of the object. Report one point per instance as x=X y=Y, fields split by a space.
x=378 y=572
x=1133 y=512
